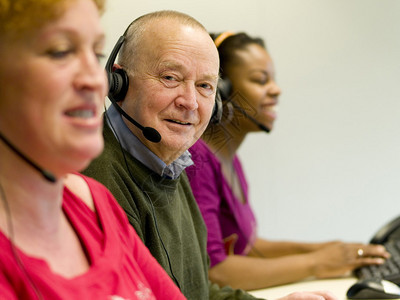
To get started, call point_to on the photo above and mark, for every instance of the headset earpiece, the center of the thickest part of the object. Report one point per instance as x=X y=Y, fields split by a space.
x=118 y=81
x=225 y=88
x=216 y=115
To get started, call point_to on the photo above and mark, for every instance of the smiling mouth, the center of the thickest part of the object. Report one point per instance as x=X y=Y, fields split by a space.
x=81 y=113
x=178 y=122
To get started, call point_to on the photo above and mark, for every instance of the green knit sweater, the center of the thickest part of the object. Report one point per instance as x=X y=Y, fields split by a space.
x=164 y=213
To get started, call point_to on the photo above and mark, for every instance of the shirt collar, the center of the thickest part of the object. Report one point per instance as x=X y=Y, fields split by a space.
x=137 y=149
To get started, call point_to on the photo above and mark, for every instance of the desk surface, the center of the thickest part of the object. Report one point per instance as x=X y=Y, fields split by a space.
x=337 y=286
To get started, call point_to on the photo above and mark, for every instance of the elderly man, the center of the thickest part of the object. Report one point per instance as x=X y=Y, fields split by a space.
x=168 y=67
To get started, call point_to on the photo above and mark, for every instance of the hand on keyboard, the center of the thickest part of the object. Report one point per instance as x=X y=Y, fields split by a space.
x=339 y=258
x=390 y=270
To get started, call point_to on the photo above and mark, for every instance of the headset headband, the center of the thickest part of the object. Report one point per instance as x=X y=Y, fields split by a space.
x=222 y=37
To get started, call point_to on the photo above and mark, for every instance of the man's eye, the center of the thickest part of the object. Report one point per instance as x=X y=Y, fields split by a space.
x=169 y=81
x=206 y=86
x=206 y=89
x=169 y=78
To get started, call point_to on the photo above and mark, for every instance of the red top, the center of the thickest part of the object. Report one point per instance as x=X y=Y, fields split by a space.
x=121 y=267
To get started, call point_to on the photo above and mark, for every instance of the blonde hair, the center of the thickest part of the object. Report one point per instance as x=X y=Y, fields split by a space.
x=19 y=18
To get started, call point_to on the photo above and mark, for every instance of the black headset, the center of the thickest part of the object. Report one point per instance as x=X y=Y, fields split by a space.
x=225 y=88
x=224 y=84
x=118 y=81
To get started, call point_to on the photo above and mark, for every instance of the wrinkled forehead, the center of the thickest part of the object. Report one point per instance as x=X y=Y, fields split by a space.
x=165 y=41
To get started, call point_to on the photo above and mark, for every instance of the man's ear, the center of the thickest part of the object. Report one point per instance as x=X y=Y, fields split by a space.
x=115 y=67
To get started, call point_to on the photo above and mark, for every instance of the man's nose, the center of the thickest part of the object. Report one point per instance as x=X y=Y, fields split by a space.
x=187 y=97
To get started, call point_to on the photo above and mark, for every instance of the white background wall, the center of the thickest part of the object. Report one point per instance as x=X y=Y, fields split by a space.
x=331 y=167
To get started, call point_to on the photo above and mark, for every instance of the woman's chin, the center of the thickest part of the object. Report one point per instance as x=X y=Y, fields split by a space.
x=86 y=154
x=95 y=151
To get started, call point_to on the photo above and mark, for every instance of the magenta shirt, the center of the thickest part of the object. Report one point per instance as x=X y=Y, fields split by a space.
x=231 y=224
x=121 y=267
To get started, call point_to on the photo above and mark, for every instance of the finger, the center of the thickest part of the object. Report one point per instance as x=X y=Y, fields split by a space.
x=364 y=261
x=377 y=250
x=372 y=251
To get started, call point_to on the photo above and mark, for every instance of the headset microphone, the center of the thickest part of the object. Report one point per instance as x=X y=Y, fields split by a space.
x=46 y=174
x=118 y=81
x=149 y=133
x=225 y=90
x=244 y=113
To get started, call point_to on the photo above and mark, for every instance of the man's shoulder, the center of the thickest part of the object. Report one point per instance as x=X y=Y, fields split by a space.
x=111 y=158
x=103 y=164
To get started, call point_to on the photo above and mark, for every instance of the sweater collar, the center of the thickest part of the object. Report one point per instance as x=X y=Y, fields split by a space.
x=138 y=150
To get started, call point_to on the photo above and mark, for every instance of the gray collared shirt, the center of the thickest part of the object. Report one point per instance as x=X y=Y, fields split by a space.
x=137 y=149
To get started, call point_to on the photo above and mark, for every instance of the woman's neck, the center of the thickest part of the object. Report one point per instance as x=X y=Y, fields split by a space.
x=31 y=216
x=28 y=195
x=224 y=141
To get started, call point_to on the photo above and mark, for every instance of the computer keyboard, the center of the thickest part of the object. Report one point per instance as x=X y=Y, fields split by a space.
x=390 y=270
